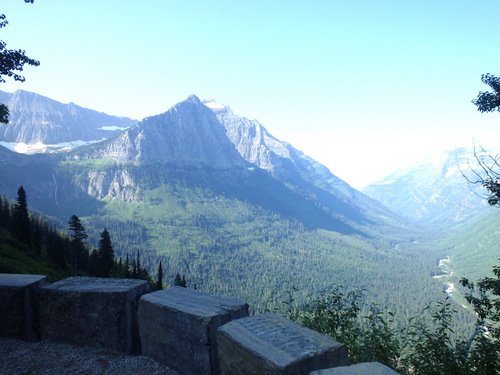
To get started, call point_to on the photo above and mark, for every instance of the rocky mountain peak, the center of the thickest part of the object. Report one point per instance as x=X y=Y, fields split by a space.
x=36 y=119
x=188 y=134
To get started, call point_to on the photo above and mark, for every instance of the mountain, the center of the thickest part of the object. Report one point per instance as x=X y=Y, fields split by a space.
x=38 y=123
x=291 y=166
x=189 y=142
x=434 y=192
x=187 y=188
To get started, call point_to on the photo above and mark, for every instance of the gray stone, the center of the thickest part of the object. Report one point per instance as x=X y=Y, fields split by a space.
x=178 y=327
x=366 y=368
x=91 y=311
x=18 y=312
x=270 y=344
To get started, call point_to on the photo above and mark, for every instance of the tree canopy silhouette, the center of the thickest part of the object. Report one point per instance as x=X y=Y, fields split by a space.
x=488 y=171
x=11 y=65
x=487 y=101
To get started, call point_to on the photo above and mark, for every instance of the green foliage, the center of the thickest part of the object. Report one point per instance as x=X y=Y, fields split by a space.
x=20 y=218
x=11 y=64
x=159 y=280
x=484 y=296
x=106 y=255
x=489 y=101
x=16 y=257
x=425 y=345
x=180 y=281
x=430 y=350
x=79 y=243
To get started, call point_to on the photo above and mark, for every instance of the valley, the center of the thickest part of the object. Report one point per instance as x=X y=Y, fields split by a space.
x=219 y=200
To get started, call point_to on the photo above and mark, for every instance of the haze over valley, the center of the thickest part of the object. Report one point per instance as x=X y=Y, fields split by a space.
x=220 y=200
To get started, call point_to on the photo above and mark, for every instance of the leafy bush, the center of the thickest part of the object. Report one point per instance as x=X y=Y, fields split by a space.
x=425 y=346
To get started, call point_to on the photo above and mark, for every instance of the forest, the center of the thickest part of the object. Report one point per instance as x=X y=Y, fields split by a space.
x=283 y=269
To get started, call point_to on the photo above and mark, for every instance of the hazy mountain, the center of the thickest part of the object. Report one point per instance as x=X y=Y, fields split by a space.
x=434 y=192
x=291 y=166
x=237 y=214
x=189 y=143
x=38 y=124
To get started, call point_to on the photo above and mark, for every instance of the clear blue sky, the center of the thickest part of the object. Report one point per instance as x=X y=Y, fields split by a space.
x=363 y=87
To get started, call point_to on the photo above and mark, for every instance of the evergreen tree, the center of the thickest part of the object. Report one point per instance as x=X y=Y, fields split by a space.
x=80 y=249
x=180 y=281
x=159 y=282
x=20 y=218
x=106 y=255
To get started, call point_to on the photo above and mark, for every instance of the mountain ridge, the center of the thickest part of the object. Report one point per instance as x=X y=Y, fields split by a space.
x=44 y=123
x=216 y=217
x=435 y=191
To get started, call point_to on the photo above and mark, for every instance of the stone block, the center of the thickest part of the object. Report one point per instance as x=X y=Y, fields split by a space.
x=366 y=368
x=90 y=311
x=268 y=344
x=178 y=327
x=18 y=310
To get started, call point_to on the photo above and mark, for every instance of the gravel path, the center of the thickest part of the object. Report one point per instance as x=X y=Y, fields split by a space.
x=43 y=358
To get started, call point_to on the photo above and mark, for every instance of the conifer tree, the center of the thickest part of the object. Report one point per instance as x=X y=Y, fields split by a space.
x=159 y=282
x=20 y=218
x=81 y=253
x=106 y=255
x=180 y=281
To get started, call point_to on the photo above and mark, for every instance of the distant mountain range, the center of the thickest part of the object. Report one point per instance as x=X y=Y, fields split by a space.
x=205 y=142
x=39 y=124
x=217 y=197
x=435 y=192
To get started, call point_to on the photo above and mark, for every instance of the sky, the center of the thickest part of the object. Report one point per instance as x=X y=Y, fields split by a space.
x=364 y=87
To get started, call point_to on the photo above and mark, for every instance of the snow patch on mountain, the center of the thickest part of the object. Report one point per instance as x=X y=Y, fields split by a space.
x=39 y=147
x=111 y=128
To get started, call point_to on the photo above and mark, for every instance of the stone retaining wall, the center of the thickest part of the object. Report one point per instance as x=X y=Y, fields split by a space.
x=189 y=331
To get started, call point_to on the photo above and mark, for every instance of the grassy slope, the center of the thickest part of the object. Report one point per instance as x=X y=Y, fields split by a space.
x=16 y=258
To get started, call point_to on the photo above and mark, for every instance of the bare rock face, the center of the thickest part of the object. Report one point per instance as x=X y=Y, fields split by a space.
x=178 y=327
x=35 y=118
x=273 y=345
x=187 y=135
x=18 y=312
x=96 y=312
x=287 y=164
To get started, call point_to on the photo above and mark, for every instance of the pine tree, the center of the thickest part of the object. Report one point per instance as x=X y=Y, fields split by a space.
x=180 y=281
x=81 y=252
x=106 y=255
x=20 y=218
x=159 y=282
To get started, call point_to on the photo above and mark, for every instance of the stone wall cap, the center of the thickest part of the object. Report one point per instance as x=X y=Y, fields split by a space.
x=19 y=280
x=279 y=339
x=95 y=284
x=193 y=301
x=372 y=368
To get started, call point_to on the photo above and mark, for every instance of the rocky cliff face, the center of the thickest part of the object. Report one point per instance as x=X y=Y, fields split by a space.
x=38 y=119
x=289 y=165
x=187 y=135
